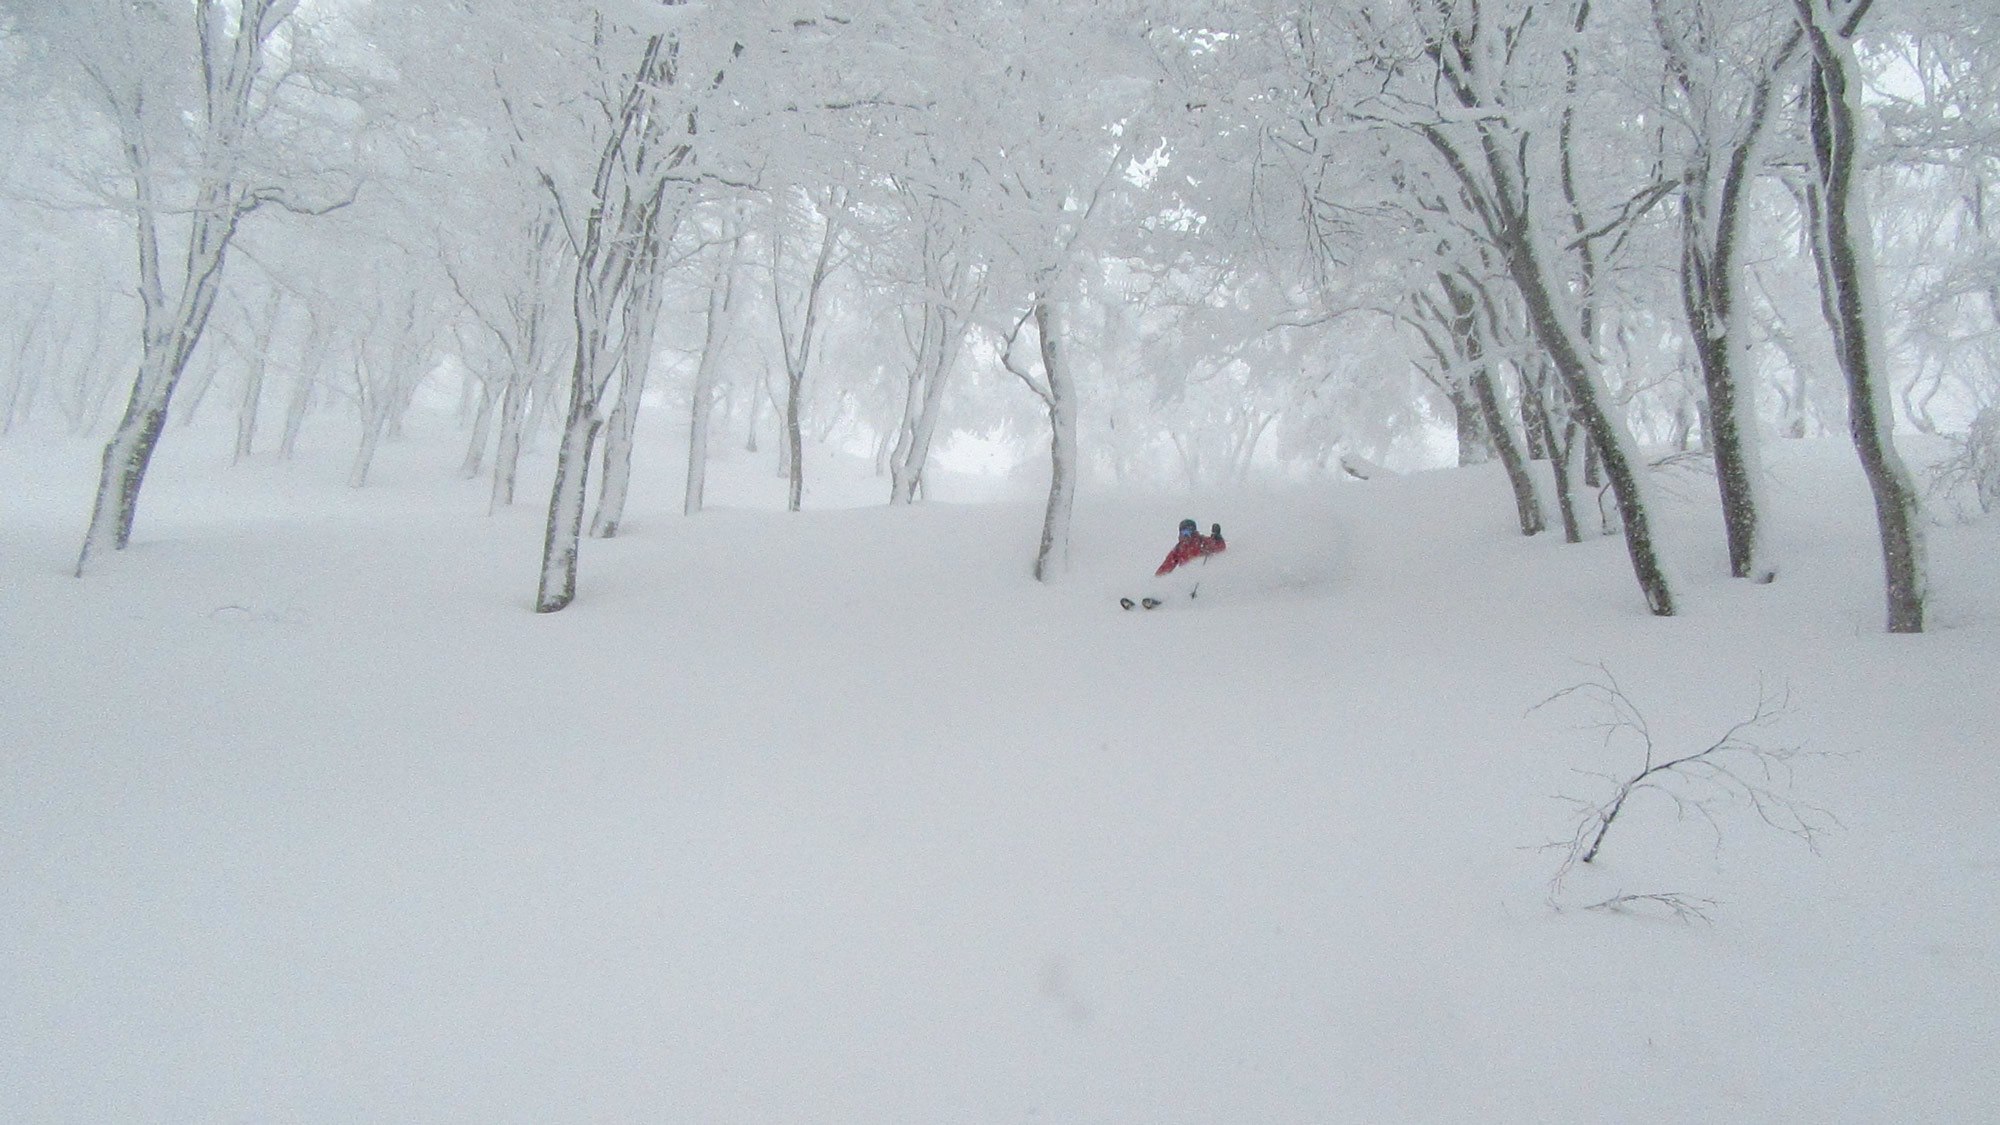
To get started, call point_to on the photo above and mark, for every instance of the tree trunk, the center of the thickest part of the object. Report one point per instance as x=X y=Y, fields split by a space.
x=798 y=352
x=945 y=321
x=246 y=407
x=906 y=457
x=1585 y=458
x=795 y=472
x=619 y=434
x=911 y=457
x=1470 y=345
x=598 y=282
x=1534 y=415
x=1982 y=454
x=1468 y=424
x=1712 y=214
x=1052 y=558
x=642 y=318
x=370 y=408
x=1730 y=429
x=364 y=454
x=613 y=261
x=299 y=402
x=1562 y=468
x=1550 y=409
x=507 y=455
x=126 y=458
x=756 y=414
x=130 y=452
x=566 y=502
x=1841 y=230
x=1512 y=230
x=1527 y=504
x=230 y=65
x=204 y=372
x=721 y=298
x=482 y=433
x=25 y=378
x=526 y=383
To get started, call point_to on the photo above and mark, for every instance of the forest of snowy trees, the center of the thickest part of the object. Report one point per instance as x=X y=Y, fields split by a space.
x=1177 y=239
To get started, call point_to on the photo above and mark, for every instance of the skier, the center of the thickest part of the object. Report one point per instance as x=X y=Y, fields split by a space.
x=1191 y=546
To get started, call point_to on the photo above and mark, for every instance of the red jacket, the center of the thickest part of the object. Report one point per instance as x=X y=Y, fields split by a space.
x=1191 y=548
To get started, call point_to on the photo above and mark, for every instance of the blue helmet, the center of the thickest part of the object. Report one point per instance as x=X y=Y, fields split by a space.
x=1188 y=527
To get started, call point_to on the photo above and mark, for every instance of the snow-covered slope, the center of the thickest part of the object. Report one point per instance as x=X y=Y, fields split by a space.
x=838 y=817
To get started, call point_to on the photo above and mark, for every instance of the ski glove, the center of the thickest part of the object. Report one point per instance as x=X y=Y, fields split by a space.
x=1215 y=532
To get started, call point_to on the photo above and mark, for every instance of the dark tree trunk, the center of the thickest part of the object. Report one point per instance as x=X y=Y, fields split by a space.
x=627 y=197
x=1474 y=446
x=566 y=502
x=795 y=475
x=1562 y=468
x=1712 y=213
x=1527 y=505
x=1470 y=345
x=1847 y=298
x=1510 y=226
x=1534 y=418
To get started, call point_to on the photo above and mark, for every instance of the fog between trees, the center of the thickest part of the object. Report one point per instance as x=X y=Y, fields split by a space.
x=1185 y=242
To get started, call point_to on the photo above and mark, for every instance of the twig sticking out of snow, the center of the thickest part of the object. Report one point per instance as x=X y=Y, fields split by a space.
x=1734 y=767
x=1682 y=908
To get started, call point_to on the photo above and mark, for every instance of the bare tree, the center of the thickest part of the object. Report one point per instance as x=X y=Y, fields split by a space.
x=392 y=354
x=642 y=320
x=1464 y=324
x=951 y=288
x=715 y=336
x=1726 y=103
x=1837 y=217
x=628 y=192
x=1477 y=87
x=512 y=301
x=262 y=332
x=798 y=324
x=177 y=288
x=1054 y=386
